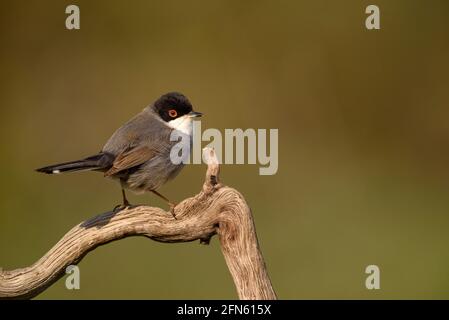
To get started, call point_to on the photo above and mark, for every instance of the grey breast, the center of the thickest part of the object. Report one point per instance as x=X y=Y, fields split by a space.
x=144 y=130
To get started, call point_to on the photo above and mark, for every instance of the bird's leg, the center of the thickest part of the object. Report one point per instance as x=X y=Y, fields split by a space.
x=125 y=201
x=172 y=205
x=125 y=204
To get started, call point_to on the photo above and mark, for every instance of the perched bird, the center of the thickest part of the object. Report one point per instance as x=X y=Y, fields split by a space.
x=138 y=153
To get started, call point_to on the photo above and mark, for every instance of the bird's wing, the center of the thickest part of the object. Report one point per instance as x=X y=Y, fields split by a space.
x=142 y=130
x=130 y=159
x=137 y=141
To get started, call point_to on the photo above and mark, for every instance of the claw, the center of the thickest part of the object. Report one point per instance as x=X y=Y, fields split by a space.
x=121 y=207
x=172 y=210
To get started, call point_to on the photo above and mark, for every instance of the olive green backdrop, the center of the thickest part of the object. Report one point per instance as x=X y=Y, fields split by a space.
x=363 y=122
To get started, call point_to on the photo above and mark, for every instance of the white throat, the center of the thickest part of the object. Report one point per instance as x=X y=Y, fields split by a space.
x=183 y=124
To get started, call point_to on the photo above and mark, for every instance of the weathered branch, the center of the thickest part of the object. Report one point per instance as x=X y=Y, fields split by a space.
x=217 y=209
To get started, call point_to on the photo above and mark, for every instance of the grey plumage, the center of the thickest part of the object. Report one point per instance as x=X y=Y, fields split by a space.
x=138 y=153
x=148 y=133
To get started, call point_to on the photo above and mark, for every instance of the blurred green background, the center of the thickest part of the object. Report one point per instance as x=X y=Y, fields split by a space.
x=363 y=122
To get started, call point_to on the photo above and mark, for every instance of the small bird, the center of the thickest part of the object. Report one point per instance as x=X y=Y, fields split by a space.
x=138 y=153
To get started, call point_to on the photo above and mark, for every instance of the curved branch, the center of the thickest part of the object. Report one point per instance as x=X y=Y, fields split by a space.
x=217 y=209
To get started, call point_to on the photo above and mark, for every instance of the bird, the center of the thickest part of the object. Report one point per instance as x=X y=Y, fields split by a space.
x=138 y=153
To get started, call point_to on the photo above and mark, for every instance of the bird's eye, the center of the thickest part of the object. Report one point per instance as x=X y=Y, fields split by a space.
x=172 y=113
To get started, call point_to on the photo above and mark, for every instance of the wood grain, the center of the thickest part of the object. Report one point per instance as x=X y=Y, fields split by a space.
x=216 y=209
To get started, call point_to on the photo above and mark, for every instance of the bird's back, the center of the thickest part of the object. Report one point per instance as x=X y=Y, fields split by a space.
x=141 y=130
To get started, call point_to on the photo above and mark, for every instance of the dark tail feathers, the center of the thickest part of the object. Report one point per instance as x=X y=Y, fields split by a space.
x=99 y=161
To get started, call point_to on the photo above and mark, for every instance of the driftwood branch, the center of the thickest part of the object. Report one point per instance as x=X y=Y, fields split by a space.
x=217 y=209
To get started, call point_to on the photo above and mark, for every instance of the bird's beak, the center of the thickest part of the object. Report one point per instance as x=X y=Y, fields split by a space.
x=193 y=114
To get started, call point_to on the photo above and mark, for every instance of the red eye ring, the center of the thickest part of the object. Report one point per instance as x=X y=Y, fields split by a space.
x=172 y=113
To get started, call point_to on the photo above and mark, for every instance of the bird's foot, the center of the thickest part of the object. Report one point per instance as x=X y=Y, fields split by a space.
x=172 y=209
x=121 y=207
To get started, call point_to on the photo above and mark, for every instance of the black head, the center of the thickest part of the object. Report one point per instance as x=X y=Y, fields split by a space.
x=172 y=106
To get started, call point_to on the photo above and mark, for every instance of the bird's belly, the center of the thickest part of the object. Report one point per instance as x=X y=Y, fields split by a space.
x=151 y=175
